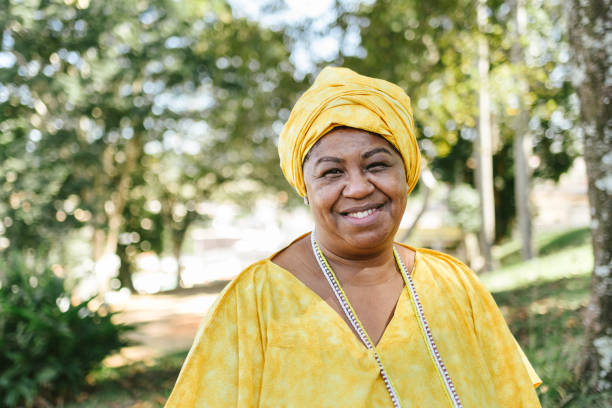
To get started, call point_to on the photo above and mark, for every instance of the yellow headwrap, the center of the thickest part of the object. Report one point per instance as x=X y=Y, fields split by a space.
x=341 y=97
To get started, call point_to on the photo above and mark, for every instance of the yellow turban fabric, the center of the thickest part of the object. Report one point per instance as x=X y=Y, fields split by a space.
x=341 y=97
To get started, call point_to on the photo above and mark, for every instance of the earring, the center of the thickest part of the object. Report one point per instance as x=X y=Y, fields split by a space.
x=306 y=200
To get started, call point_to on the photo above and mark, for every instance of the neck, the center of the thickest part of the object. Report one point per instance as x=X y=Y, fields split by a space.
x=363 y=269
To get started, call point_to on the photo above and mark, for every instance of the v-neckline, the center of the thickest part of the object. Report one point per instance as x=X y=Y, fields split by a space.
x=338 y=316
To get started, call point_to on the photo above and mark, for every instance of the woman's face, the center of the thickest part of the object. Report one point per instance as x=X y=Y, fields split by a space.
x=357 y=191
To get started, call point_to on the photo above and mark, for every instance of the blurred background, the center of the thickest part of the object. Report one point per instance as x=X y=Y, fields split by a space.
x=139 y=172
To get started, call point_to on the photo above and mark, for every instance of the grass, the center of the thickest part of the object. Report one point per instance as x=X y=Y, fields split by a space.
x=548 y=243
x=542 y=301
x=545 y=319
x=138 y=385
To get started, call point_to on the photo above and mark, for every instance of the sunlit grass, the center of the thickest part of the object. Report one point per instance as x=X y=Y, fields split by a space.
x=569 y=262
x=542 y=300
x=138 y=385
x=545 y=319
x=509 y=253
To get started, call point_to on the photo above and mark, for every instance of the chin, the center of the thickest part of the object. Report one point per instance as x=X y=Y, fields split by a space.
x=370 y=236
x=370 y=240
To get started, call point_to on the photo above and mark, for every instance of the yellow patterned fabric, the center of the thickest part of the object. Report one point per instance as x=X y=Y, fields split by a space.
x=341 y=97
x=270 y=341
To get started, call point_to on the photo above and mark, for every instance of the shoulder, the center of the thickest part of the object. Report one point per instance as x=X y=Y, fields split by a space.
x=295 y=257
x=250 y=288
x=443 y=267
x=251 y=280
x=440 y=259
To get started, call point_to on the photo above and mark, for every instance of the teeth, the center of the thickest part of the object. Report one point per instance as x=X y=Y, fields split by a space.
x=362 y=214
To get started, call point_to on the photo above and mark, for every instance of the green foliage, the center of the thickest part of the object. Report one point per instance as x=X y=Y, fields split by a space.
x=48 y=344
x=578 y=239
x=568 y=239
x=543 y=301
x=145 y=384
x=545 y=318
x=122 y=117
x=432 y=52
x=566 y=263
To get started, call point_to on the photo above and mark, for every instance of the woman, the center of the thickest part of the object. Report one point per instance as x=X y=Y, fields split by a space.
x=343 y=316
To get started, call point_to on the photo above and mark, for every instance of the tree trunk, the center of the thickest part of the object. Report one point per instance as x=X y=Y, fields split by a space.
x=472 y=251
x=119 y=197
x=484 y=159
x=125 y=269
x=106 y=262
x=98 y=242
x=178 y=233
x=522 y=139
x=588 y=22
x=178 y=237
x=522 y=150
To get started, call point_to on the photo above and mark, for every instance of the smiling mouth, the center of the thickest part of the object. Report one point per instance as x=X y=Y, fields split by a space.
x=363 y=213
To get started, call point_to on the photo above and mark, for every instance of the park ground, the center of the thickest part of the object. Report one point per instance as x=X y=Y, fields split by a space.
x=542 y=301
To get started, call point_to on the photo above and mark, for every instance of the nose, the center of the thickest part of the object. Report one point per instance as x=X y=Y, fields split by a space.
x=357 y=186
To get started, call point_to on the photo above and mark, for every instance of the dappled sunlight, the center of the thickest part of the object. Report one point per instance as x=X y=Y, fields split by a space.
x=165 y=323
x=544 y=306
x=546 y=319
x=139 y=170
x=571 y=262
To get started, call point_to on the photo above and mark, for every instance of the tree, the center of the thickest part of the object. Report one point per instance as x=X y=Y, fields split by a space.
x=522 y=140
x=432 y=52
x=483 y=148
x=588 y=22
x=92 y=94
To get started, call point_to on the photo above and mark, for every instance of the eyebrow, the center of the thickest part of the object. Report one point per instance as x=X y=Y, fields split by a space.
x=374 y=151
x=366 y=155
x=329 y=159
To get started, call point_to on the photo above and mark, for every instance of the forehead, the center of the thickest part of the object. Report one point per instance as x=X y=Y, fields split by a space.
x=345 y=141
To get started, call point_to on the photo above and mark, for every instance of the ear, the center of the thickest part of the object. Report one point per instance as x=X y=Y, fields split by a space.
x=306 y=200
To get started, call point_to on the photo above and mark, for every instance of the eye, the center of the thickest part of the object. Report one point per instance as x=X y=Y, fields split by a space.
x=331 y=172
x=377 y=166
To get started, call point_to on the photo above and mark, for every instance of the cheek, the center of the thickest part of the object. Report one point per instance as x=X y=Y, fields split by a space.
x=320 y=197
x=397 y=190
x=402 y=204
x=393 y=185
x=323 y=199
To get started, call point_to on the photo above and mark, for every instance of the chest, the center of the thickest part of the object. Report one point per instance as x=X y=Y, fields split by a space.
x=374 y=305
x=319 y=338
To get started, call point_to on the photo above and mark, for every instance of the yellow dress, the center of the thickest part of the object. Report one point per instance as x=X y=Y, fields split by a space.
x=270 y=341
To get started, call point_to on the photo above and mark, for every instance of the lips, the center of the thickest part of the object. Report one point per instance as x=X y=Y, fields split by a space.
x=362 y=212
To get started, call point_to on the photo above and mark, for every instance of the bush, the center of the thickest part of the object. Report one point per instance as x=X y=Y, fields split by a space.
x=47 y=344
